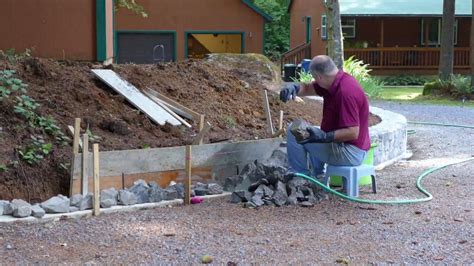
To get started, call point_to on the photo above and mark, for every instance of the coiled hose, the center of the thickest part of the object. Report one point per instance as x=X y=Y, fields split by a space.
x=419 y=180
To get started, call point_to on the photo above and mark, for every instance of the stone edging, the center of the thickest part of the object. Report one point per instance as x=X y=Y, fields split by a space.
x=114 y=209
x=390 y=135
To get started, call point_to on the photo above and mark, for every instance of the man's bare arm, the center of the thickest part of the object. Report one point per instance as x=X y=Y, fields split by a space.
x=306 y=90
x=346 y=134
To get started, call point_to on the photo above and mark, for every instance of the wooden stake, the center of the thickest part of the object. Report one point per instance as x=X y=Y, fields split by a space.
x=85 y=159
x=266 y=107
x=198 y=140
x=95 y=148
x=75 y=150
x=201 y=122
x=76 y=136
x=187 y=182
x=280 y=121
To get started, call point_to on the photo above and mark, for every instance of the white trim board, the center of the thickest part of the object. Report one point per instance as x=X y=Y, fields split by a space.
x=135 y=97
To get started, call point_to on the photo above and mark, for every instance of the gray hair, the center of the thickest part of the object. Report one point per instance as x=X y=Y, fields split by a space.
x=322 y=65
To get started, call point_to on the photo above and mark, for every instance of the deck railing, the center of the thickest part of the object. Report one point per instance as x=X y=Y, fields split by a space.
x=296 y=55
x=407 y=57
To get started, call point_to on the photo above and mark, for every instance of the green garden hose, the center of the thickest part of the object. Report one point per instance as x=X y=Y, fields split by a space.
x=418 y=181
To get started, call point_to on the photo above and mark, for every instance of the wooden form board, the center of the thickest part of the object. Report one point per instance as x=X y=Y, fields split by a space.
x=134 y=96
x=209 y=161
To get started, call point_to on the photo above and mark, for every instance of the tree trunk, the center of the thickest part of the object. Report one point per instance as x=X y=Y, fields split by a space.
x=447 y=40
x=472 y=48
x=334 y=33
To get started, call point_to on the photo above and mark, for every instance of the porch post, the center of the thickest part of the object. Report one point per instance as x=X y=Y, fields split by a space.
x=381 y=40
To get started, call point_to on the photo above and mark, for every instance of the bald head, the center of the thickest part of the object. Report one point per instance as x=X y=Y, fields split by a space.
x=323 y=65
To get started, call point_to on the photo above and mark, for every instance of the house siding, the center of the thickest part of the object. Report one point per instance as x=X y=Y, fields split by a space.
x=299 y=10
x=206 y=15
x=53 y=28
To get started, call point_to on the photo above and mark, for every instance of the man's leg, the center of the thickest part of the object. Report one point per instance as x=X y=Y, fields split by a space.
x=297 y=155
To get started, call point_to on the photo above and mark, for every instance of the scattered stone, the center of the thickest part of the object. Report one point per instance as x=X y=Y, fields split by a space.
x=126 y=197
x=214 y=189
x=231 y=182
x=200 y=191
x=37 y=211
x=73 y=209
x=417 y=212
x=257 y=201
x=280 y=196
x=249 y=205
x=5 y=208
x=264 y=190
x=86 y=202
x=240 y=196
x=75 y=200
x=57 y=204
x=310 y=204
x=140 y=189
x=179 y=188
x=21 y=208
x=462 y=241
x=458 y=220
x=268 y=202
x=342 y=261
x=206 y=259
x=9 y=246
x=170 y=194
x=298 y=129
x=154 y=193
x=169 y=233
x=108 y=197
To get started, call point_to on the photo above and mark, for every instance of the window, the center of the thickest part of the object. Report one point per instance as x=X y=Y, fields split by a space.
x=324 y=30
x=434 y=31
x=348 y=26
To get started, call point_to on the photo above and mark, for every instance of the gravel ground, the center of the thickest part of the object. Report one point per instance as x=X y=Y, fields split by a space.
x=334 y=231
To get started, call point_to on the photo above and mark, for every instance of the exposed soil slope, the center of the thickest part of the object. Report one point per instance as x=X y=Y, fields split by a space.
x=230 y=100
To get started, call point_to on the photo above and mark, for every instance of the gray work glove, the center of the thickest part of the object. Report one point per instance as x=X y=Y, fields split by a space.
x=316 y=135
x=289 y=92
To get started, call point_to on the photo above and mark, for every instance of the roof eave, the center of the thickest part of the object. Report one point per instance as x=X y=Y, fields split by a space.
x=255 y=8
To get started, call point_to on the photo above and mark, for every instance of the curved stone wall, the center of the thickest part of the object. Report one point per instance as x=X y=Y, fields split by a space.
x=390 y=135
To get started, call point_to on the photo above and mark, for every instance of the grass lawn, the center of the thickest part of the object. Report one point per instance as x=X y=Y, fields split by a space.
x=414 y=95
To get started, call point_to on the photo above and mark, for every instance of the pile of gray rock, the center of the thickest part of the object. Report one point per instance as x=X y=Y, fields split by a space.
x=267 y=183
x=140 y=192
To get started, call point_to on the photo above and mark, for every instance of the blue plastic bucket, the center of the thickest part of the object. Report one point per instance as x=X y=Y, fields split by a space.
x=305 y=64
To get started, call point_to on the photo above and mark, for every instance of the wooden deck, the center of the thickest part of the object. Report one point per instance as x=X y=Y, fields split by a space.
x=407 y=58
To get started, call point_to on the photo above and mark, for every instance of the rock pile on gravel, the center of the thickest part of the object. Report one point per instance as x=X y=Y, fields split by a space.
x=140 y=192
x=267 y=183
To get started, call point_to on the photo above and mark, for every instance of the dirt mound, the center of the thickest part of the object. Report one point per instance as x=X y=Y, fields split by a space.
x=65 y=90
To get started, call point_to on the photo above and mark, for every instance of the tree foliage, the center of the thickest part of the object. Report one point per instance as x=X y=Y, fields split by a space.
x=277 y=33
x=131 y=5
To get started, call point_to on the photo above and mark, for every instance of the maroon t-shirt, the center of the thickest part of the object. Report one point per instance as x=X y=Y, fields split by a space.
x=345 y=105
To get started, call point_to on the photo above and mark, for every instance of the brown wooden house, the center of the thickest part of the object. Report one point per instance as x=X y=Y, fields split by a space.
x=91 y=30
x=180 y=29
x=393 y=36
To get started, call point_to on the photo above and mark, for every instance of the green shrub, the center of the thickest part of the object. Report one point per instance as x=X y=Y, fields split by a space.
x=304 y=77
x=457 y=86
x=360 y=71
x=406 y=80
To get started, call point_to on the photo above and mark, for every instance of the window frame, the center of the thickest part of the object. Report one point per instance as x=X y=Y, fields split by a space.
x=440 y=23
x=353 y=26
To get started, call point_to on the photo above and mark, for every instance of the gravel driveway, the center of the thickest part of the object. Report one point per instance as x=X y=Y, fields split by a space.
x=335 y=231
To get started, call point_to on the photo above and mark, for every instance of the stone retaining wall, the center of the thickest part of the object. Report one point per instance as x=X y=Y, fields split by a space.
x=390 y=135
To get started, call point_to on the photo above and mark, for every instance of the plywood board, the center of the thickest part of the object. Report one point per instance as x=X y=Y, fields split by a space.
x=210 y=161
x=134 y=96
